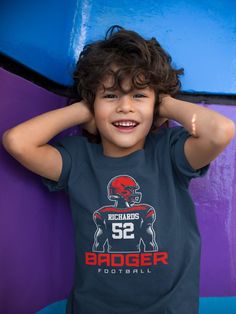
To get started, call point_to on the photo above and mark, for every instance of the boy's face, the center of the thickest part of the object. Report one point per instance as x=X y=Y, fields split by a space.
x=115 y=106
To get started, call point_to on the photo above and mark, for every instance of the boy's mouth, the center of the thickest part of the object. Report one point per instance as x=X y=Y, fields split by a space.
x=125 y=125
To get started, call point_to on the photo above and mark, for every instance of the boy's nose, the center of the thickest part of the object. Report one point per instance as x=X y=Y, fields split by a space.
x=125 y=104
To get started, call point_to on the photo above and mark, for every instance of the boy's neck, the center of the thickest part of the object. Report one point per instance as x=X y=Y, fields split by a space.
x=114 y=151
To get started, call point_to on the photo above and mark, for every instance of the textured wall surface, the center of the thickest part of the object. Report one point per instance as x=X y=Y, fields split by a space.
x=200 y=36
x=36 y=234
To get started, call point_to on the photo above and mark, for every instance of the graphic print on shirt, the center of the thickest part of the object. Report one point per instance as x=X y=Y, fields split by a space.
x=123 y=226
x=124 y=237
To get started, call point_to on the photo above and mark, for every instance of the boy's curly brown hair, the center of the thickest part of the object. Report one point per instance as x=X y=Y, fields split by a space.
x=144 y=61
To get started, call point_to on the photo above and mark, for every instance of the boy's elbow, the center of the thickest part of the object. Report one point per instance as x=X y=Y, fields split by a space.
x=230 y=130
x=225 y=133
x=9 y=141
x=5 y=138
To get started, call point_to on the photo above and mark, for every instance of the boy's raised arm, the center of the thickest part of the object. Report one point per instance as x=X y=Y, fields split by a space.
x=211 y=132
x=42 y=128
x=27 y=141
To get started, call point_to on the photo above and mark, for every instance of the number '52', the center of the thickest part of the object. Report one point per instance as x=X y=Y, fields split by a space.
x=122 y=230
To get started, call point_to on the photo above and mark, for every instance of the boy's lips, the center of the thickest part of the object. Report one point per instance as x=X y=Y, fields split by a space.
x=126 y=121
x=125 y=128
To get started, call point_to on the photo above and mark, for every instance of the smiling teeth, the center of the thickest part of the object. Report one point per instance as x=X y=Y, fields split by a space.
x=124 y=123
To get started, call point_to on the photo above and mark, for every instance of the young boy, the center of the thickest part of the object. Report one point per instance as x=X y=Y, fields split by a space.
x=137 y=239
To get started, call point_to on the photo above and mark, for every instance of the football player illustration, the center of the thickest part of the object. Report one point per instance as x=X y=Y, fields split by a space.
x=122 y=226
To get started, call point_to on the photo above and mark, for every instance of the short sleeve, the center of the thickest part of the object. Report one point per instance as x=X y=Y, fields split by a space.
x=180 y=163
x=63 y=147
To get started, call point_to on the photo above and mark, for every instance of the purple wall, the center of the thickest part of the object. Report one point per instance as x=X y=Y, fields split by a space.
x=36 y=240
x=215 y=199
x=36 y=237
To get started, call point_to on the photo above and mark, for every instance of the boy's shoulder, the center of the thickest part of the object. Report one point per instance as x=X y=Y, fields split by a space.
x=72 y=144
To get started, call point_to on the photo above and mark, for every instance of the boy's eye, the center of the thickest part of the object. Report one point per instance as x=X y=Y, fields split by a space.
x=113 y=95
x=140 y=95
x=109 y=96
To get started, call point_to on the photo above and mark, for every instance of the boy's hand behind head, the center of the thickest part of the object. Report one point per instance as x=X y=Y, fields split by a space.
x=89 y=122
x=90 y=126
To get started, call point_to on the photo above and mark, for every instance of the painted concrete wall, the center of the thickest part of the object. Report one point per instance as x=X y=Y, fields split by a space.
x=36 y=234
x=200 y=35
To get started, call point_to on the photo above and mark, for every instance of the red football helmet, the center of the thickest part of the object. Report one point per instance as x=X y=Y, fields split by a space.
x=123 y=187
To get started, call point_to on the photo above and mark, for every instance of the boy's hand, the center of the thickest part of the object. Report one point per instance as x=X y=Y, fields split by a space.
x=162 y=114
x=89 y=125
x=164 y=98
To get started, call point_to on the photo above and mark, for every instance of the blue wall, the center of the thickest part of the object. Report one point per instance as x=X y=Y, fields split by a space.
x=48 y=36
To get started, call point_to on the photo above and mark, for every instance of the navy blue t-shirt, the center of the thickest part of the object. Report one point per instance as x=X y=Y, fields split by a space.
x=137 y=239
